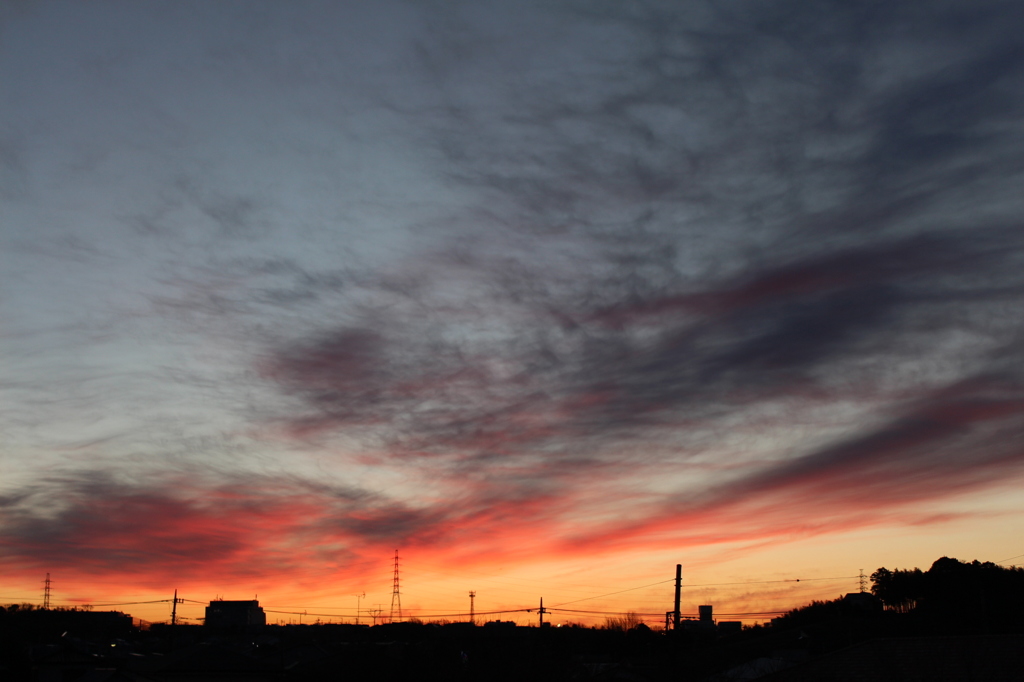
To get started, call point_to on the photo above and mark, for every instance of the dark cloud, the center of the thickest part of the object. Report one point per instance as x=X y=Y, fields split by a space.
x=785 y=204
x=740 y=121
x=209 y=526
x=766 y=333
x=963 y=437
x=203 y=524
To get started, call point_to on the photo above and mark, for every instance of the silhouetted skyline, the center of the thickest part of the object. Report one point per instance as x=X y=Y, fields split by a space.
x=956 y=620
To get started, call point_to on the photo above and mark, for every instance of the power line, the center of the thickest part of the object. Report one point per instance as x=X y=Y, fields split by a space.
x=123 y=603
x=344 y=611
x=479 y=613
x=448 y=575
x=613 y=613
x=463 y=614
x=432 y=615
x=630 y=589
x=328 y=608
x=662 y=614
x=396 y=598
x=747 y=582
x=765 y=582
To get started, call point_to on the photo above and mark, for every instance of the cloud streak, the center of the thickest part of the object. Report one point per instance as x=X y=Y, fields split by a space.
x=581 y=276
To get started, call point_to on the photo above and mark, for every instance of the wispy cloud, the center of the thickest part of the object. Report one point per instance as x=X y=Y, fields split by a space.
x=600 y=276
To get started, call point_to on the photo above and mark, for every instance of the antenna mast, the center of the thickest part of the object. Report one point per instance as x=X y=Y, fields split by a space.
x=472 y=617
x=396 y=595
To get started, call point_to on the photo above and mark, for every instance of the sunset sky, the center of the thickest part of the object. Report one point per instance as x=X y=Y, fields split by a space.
x=548 y=296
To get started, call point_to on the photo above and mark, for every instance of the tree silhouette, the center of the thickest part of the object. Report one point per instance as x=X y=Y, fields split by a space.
x=899 y=590
x=624 y=623
x=953 y=590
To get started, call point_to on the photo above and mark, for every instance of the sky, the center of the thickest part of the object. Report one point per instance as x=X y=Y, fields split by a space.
x=547 y=296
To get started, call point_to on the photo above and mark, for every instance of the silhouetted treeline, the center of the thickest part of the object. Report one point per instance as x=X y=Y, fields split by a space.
x=975 y=596
x=33 y=622
x=950 y=598
x=956 y=620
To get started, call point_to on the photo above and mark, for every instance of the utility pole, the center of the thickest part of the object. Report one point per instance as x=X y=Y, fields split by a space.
x=358 y=597
x=46 y=592
x=472 y=596
x=542 y=612
x=679 y=589
x=396 y=595
x=174 y=608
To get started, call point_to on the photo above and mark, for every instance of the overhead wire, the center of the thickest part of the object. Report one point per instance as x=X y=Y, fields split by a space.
x=630 y=589
x=523 y=587
x=749 y=582
x=764 y=582
x=127 y=603
x=662 y=613
x=346 y=612
x=120 y=603
x=460 y=614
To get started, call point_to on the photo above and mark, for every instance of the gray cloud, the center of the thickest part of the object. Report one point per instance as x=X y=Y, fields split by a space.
x=773 y=205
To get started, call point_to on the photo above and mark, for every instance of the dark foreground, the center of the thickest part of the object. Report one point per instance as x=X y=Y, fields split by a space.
x=846 y=644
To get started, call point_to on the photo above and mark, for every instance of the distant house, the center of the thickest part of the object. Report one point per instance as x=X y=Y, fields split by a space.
x=862 y=601
x=730 y=627
x=235 y=614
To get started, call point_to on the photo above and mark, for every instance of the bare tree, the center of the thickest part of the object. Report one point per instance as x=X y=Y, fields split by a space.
x=623 y=623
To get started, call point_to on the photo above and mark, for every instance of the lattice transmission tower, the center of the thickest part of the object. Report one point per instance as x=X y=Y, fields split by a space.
x=396 y=595
x=46 y=592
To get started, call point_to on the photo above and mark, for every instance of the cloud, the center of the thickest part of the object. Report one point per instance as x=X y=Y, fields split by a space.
x=558 y=420
x=594 y=275
x=562 y=370
x=210 y=528
x=961 y=438
x=727 y=225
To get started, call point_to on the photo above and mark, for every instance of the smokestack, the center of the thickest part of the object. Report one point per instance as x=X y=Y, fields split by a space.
x=679 y=589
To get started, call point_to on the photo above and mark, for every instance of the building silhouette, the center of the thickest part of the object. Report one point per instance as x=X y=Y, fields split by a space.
x=235 y=614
